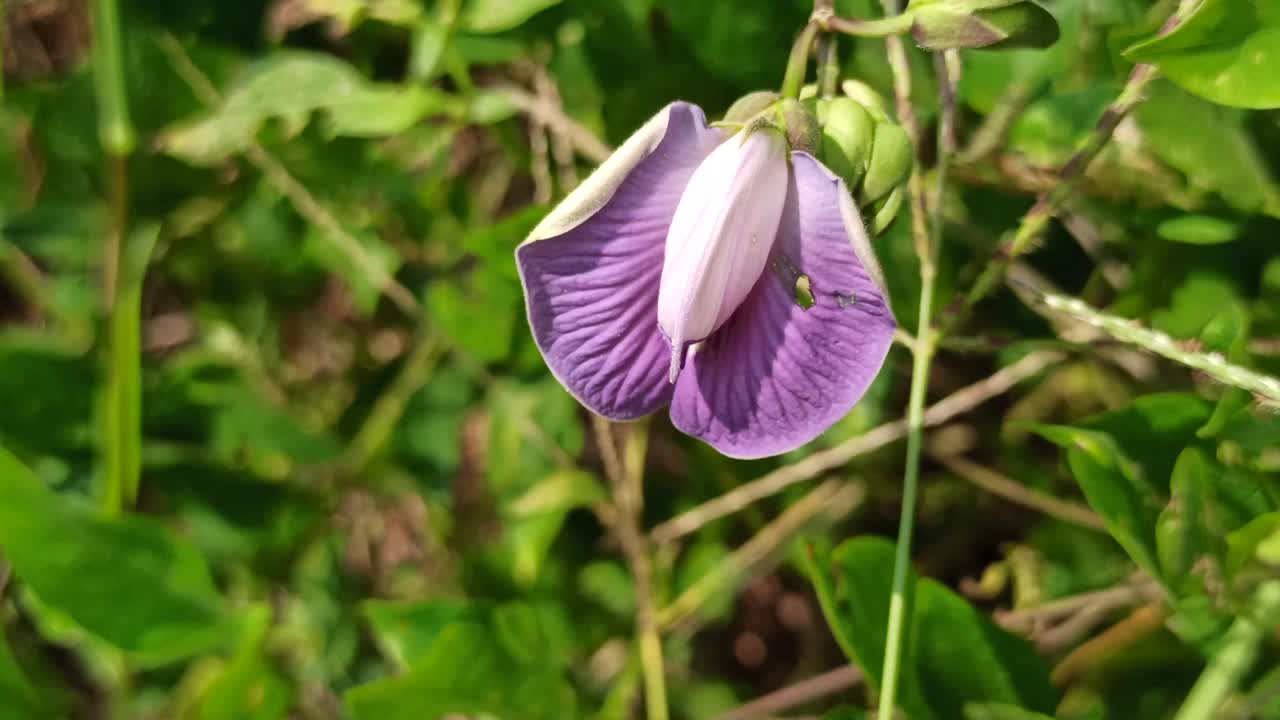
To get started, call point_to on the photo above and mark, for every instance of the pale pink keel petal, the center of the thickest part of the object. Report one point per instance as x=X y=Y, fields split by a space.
x=721 y=236
x=591 y=270
x=776 y=375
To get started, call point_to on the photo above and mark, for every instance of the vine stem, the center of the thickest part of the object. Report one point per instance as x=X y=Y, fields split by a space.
x=1239 y=650
x=123 y=270
x=927 y=230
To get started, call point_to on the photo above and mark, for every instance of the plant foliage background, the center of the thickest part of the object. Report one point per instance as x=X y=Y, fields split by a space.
x=362 y=494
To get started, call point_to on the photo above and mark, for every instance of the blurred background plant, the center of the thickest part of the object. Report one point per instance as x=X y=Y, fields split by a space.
x=258 y=256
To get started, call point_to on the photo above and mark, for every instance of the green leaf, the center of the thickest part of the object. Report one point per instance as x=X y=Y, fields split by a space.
x=1222 y=52
x=490 y=16
x=1153 y=430
x=454 y=307
x=853 y=584
x=1199 y=230
x=956 y=655
x=289 y=87
x=962 y=656
x=129 y=581
x=1114 y=487
x=405 y=631
x=1182 y=533
x=558 y=492
x=1208 y=144
x=466 y=671
x=1243 y=545
x=249 y=688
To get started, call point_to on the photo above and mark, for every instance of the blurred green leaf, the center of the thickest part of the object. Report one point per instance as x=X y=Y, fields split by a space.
x=468 y=671
x=129 y=581
x=1199 y=230
x=289 y=87
x=1114 y=487
x=498 y=15
x=1208 y=144
x=1221 y=52
x=405 y=631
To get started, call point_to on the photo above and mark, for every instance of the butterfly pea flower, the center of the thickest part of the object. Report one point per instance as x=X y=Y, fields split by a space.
x=724 y=274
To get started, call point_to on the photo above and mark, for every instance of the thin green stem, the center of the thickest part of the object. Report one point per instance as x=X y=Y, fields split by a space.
x=928 y=242
x=390 y=405
x=115 y=129
x=1265 y=387
x=828 y=66
x=124 y=268
x=1236 y=656
x=880 y=28
x=798 y=61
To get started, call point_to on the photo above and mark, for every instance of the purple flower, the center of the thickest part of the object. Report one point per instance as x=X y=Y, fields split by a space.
x=706 y=272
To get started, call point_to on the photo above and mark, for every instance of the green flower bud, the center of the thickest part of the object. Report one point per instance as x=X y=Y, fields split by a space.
x=848 y=132
x=750 y=105
x=890 y=164
x=885 y=210
x=801 y=125
x=868 y=98
x=946 y=24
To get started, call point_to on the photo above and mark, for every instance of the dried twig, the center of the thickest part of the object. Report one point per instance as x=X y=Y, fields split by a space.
x=805 y=691
x=833 y=498
x=1015 y=492
x=554 y=117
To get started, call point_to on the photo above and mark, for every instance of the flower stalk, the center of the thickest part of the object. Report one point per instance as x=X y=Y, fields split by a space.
x=928 y=237
x=123 y=270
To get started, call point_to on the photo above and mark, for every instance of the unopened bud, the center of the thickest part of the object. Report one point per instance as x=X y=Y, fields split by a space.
x=848 y=132
x=890 y=164
x=992 y=24
x=885 y=210
x=750 y=105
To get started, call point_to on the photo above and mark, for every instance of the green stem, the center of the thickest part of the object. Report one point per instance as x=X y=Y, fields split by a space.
x=1265 y=387
x=1235 y=658
x=124 y=267
x=115 y=130
x=390 y=405
x=922 y=356
x=883 y=27
x=798 y=61
x=122 y=407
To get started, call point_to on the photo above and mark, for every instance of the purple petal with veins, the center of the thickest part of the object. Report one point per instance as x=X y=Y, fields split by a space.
x=777 y=375
x=591 y=270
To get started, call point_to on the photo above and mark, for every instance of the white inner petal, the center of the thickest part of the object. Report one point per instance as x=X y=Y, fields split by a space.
x=721 y=235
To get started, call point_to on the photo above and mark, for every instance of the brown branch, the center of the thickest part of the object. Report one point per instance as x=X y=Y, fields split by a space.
x=805 y=691
x=1015 y=492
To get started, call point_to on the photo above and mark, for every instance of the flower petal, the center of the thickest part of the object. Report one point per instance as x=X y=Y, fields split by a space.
x=777 y=375
x=721 y=236
x=591 y=269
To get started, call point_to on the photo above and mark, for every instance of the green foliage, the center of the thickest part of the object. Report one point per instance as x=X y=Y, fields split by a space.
x=956 y=655
x=1221 y=52
x=349 y=487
